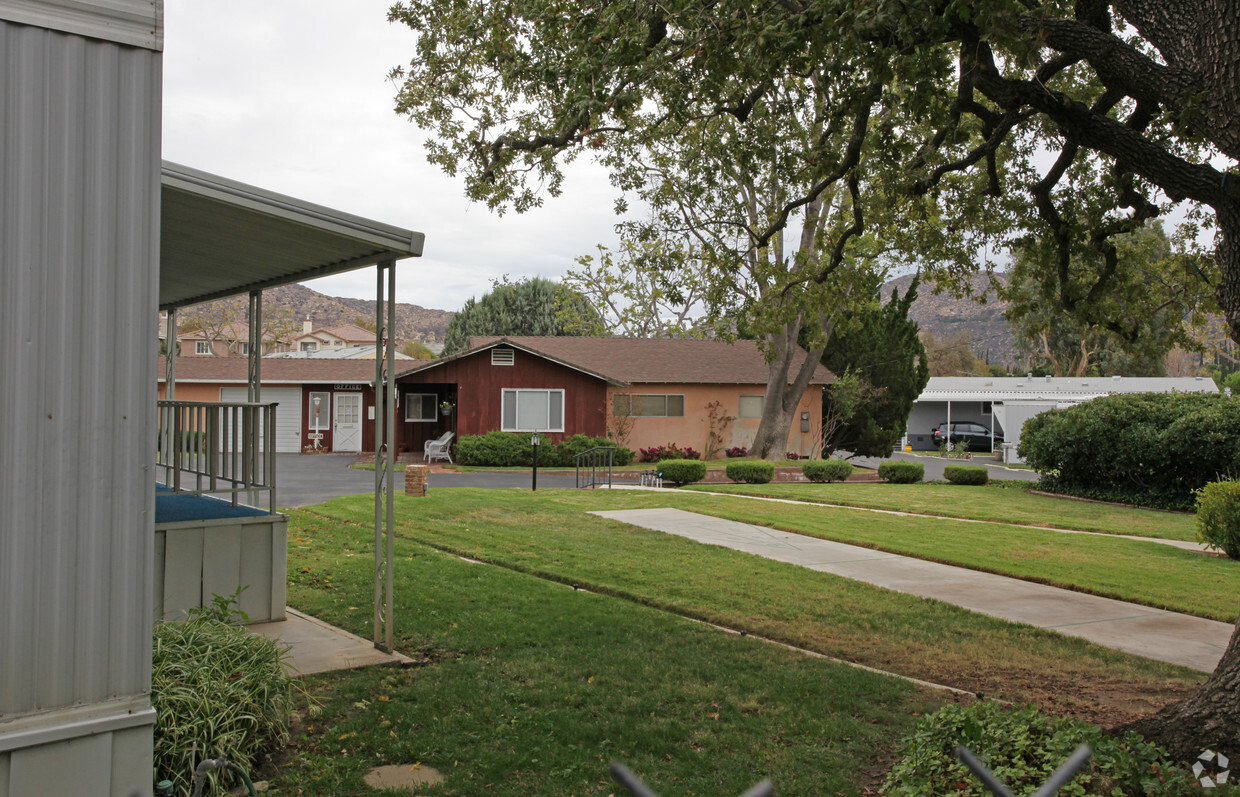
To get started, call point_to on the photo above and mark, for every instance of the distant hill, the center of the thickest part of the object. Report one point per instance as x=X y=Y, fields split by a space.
x=413 y=322
x=945 y=316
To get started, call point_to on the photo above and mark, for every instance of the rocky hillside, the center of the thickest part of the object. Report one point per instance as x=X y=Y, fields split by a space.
x=946 y=316
x=413 y=322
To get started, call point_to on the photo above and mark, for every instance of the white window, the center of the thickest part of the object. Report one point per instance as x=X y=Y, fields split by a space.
x=202 y=347
x=339 y=343
x=244 y=348
x=308 y=346
x=420 y=407
x=533 y=410
x=503 y=357
x=751 y=406
x=649 y=405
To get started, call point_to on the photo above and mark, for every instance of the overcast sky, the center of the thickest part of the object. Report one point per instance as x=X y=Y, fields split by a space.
x=292 y=96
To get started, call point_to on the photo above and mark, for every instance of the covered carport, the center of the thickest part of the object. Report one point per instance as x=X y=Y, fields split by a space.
x=221 y=238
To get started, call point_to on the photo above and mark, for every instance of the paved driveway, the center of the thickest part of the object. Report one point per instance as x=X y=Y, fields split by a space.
x=934 y=466
x=305 y=479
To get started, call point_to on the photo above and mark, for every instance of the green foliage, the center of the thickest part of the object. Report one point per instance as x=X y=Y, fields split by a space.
x=898 y=471
x=1022 y=747
x=217 y=690
x=682 y=471
x=1218 y=516
x=1129 y=327
x=499 y=449
x=827 y=470
x=417 y=350
x=966 y=474
x=668 y=451
x=750 y=471
x=513 y=449
x=1152 y=449
x=885 y=350
x=535 y=306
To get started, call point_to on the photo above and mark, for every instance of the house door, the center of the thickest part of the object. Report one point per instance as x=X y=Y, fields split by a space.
x=347 y=422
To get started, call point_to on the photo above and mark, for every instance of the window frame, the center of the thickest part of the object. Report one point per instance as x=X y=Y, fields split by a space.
x=740 y=411
x=664 y=396
x=409 y=403
x=202 y=347
x=516 y=391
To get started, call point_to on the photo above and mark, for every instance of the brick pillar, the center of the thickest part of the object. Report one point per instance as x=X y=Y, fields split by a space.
x=415 y=480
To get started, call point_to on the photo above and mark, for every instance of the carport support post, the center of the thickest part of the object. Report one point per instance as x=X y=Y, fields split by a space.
x=385 y=445
x=253 y=394
x=948 y=435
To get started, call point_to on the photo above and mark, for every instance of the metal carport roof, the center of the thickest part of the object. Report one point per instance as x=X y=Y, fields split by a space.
x=219 y=237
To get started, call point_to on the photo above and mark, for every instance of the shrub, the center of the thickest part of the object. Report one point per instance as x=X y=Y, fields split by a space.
x=792 y=455
x=500 y=449
x=1218 y=516
x=1023 y=747
x=750 y=471
x=217 y=690
x=966 y=474
x=900 y=472
x=1153 y=449
x=567 y=450
x=682 y=471
x=827 y=470
x=669 y=451
x=736 y=451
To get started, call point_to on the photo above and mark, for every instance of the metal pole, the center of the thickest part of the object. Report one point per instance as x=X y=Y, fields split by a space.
x=385 y=452
x=534 y=442
x=390 y=408
x=380 y=461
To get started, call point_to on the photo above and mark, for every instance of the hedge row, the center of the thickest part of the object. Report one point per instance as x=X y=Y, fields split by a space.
x=827 y=470
x=750 y=471
x=509 y=449
x=1153 y=449
x=682 y=471
x=966 y=474
x=900 y=472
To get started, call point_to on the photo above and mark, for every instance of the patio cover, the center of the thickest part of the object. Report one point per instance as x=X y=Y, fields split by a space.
x=219 y=237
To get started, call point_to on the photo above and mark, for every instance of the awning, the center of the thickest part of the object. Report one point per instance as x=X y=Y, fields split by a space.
x=219 y=237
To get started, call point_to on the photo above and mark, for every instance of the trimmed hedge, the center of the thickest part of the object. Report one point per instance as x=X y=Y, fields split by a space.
x=513 y=449
x=966 y=474
x=1218 y=517
x=1023 y=746
x=682 y=471
x=1153 y=449
x=827 y=470
x=750 y=471
x=900 y=472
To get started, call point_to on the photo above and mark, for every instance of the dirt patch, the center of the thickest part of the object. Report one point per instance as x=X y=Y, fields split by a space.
x=402 y=776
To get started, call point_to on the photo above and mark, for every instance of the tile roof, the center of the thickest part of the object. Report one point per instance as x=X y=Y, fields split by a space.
x=234 y=369
x=648 y=360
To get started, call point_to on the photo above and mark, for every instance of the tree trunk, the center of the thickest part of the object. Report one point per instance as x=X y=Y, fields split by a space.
x=1209 y=720
x=784 y=390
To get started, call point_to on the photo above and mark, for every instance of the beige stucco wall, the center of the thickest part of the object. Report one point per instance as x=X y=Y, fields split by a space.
x=694 y=428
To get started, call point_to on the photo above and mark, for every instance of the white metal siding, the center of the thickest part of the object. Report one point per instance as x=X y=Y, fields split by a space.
x=136 y=22
x=79 y=182
x=288 y=414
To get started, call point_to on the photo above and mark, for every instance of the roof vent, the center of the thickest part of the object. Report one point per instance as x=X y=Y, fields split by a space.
x=1049 y=377
x=1029 y=375
x=1117 y=377
x=1200 y=378
x=503 y=357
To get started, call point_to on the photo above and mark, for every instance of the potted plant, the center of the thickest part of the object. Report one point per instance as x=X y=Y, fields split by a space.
x=445 y=408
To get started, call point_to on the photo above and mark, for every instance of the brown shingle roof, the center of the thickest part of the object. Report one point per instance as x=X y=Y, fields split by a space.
x=652 y=360
x=295 y=371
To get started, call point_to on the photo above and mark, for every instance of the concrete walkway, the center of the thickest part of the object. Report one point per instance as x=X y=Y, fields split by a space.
x=1153 y=633
x=315 y=646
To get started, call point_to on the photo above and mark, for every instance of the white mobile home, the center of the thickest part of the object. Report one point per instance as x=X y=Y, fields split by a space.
x=1003 y=404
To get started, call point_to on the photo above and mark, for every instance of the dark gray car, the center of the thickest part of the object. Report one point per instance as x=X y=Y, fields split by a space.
x=975 y=434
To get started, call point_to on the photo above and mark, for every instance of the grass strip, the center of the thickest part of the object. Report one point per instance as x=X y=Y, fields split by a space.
x=1149 y=573
x=548 y=534
x=529 y=687
x=999 y=502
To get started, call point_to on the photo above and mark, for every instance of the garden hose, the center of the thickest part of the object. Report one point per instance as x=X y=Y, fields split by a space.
x=208 y=764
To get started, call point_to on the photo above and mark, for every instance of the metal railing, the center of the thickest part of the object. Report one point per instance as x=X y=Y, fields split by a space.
x=593 y=465
x=218 y=448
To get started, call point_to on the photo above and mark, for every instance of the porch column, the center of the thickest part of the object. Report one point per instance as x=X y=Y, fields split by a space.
x=253 y=384
x=170 y=357
x=385 y=445
x=250 y=457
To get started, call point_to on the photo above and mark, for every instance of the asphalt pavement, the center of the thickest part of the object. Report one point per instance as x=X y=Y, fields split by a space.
x=934 y=466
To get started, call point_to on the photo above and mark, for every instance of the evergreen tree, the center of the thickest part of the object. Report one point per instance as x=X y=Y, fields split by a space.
x=884 y=350
x=535 y=306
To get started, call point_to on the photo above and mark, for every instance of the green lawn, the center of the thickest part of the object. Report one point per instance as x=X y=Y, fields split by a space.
x=529 y=687
x=549 y=534
x=999 y=502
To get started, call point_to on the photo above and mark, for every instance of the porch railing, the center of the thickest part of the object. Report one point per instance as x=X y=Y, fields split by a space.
x=220 y=449
x=594 y=467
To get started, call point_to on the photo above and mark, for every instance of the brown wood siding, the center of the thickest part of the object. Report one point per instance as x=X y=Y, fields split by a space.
x=478 y=386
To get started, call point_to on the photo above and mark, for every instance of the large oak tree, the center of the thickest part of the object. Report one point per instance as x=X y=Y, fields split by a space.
x=960 y=96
